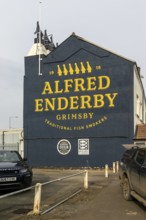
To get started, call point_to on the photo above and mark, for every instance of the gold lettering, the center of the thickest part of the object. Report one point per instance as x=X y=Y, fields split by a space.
x=91 y=83
x=85 y=115
x=50 y=104
x=68 y=84
x=38 y=105
x=85 y=102
x=79 y=85
x=61 y=105
x=80 y=116
x=74 y=102
x=98 y=101
x=104 y=82
x=58 y=117
x=74 y=116
x=111 y=99
x=47 y=88
x=63 y=117
x=91 y=114
x=57 y=87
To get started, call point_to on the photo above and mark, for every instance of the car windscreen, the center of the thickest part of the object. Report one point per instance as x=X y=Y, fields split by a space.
x=9 y=156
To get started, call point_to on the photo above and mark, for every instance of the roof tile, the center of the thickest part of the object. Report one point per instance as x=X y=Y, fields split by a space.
x=140 y=133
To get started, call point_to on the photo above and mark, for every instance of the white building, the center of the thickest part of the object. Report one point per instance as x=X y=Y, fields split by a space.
x=12 y=139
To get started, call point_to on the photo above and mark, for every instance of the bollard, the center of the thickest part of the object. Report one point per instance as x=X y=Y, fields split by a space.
x=86 y=180
x=106 y=170
x=117 y=166
x=37 y=199
x=114 y=167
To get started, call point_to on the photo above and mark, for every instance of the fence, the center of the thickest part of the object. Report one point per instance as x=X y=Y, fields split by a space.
x=9 y=147
x=38 y=187
x=38 y=190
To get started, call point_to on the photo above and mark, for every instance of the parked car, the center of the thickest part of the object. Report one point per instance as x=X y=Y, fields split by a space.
x=132 y=174
x=14 y=171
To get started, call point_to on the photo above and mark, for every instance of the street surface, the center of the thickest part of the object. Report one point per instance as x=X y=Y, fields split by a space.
x=102 y=201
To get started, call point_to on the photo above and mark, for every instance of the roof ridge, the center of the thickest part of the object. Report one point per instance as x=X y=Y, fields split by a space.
x=83 y=39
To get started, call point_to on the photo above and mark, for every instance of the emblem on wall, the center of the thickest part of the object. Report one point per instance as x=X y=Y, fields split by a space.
x=64 y=146
x=83 y=146
x=74 y=68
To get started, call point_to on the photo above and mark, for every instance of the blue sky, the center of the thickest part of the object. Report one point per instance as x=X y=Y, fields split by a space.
x=113 y=24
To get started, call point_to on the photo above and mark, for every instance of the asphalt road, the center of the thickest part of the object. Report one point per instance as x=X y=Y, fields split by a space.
x=102 y=201
x=110 y=205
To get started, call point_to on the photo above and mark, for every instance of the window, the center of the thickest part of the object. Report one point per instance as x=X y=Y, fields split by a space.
x=137 y=105
x=140 y=156
x=140 y=111
x=9 y=156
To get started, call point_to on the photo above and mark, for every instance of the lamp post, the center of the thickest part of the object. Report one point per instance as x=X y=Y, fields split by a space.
x=10 y=119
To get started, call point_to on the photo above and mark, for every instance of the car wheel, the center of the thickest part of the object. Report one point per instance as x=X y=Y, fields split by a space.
x=126 y=190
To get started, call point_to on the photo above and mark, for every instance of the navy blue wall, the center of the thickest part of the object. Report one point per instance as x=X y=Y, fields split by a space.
x=106 y=121
x=102 y=151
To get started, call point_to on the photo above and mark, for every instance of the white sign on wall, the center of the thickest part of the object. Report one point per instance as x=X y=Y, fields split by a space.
x=83 y=146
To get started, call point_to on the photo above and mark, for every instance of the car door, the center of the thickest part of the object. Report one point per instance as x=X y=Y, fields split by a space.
x=143 y=178
x=135 y=169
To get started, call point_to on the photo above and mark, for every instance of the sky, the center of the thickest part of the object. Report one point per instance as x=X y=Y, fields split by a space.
x=117 y=25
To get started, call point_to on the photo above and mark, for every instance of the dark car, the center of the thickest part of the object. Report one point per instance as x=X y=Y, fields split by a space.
x=132 y=174
x=14 y=171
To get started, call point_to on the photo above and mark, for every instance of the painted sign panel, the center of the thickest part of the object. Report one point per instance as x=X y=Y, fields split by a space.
x=83 y=96
x=79 y=112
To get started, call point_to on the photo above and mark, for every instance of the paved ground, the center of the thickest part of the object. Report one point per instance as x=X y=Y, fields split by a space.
x=102 y=201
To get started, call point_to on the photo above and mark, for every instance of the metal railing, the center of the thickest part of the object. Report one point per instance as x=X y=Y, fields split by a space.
x=17 y=192
x=38 y=190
